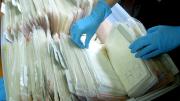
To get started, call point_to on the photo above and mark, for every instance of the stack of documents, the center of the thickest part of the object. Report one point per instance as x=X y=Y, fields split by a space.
x=41 y=63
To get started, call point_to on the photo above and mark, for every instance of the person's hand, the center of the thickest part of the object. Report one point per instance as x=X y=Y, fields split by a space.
x=89 y=24
x=2 y=90
x=159 y=39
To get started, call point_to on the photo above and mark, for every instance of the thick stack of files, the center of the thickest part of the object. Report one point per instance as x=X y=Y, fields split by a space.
x=61 y=13
x=41 y=62
x=28 y=26
x=89 y=71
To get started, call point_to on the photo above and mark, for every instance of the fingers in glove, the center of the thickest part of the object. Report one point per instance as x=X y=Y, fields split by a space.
x=76 y=32
x=151 y=54
x=145 y=51
x=139 y=44
x=88 y=38
x=152 y=29
x=78 y=43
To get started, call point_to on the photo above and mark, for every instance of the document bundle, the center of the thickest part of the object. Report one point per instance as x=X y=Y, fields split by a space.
x=41 y=63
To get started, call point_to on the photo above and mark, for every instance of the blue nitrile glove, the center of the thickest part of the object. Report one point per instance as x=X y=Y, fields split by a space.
x=2 y=90
x=159 y=39
x=89 y=24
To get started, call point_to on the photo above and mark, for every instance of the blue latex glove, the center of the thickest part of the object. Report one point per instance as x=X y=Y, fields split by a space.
x=89 y=24
x=159 y=39
x=2 y=90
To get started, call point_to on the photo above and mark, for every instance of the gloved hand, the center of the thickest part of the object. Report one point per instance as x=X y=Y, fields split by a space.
x=159 y=39
x=2 y=90
x=89 y=24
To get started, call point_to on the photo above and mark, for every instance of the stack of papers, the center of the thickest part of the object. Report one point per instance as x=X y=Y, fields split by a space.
x=133 y=73
x=89 y=71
